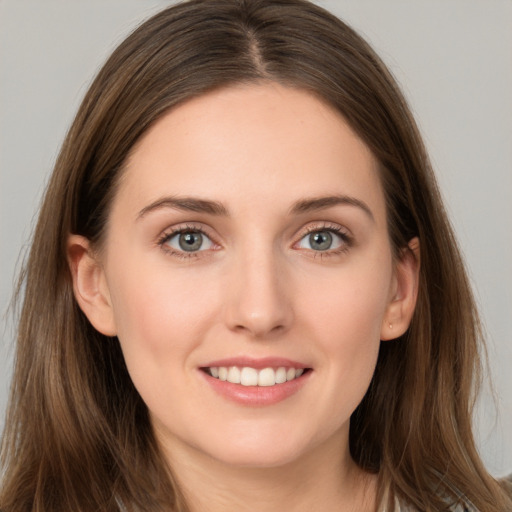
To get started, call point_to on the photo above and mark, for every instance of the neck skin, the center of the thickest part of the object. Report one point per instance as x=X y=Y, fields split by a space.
x=324 y=480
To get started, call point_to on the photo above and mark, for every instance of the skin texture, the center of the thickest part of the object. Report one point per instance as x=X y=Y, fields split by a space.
x=256 y=288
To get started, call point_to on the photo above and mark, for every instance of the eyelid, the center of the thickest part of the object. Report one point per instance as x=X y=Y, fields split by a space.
x=338 y=230
x=187 y=227
x=313 y=227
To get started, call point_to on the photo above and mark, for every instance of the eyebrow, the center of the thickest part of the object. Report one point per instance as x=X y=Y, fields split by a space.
x=322 y=203
x=188 y=204
x=192 y=204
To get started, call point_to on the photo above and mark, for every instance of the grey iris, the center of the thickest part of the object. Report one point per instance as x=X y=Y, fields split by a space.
x=320 y=240
x=190 y=241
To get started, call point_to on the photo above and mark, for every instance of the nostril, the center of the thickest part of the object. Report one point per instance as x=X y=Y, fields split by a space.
x=260 y=329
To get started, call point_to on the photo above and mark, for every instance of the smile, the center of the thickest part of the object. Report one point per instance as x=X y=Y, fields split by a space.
x=256 y=382
x=248 y=376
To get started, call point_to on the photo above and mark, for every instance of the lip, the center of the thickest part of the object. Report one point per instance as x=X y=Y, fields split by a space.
x=255 y=396
x=258 y=364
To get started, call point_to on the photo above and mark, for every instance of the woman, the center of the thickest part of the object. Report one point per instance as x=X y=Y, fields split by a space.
x=243 y=290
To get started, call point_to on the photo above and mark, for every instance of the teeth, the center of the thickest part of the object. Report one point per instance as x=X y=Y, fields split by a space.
x=248 y=376
x=281 y=375
x=267 y=377
x=233 y=375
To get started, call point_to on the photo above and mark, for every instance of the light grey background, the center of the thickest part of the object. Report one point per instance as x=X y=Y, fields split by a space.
x=452 y=57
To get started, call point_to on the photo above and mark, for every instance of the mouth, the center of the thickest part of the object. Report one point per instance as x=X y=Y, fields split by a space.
x=256 y=382
x=256 y=377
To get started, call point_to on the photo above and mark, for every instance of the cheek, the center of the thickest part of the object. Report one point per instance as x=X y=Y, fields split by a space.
x=351 y=303
x=351 y=338
x=161 y=319
x=158 y=312
x=346 y=322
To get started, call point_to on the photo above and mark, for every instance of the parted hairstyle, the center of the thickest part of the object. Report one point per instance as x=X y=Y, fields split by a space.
x=77 y=434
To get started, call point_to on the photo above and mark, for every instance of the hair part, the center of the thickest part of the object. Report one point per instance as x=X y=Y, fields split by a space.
x=77 y=433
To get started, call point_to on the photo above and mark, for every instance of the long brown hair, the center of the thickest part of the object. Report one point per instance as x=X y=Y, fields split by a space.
x=77 y=433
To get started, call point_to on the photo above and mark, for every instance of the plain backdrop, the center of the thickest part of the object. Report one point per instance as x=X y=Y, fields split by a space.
x=453 y=59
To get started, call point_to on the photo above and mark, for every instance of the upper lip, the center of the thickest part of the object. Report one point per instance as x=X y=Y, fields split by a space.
x=257 y=363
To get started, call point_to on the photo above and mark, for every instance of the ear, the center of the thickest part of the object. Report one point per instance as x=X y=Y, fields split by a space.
x=90 y=285
x=404 y=294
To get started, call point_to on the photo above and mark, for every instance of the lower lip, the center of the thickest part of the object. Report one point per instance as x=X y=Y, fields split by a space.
x=256 y=396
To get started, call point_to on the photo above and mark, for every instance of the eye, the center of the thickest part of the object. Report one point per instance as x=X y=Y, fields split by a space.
x=188 y=241
x=323 y=240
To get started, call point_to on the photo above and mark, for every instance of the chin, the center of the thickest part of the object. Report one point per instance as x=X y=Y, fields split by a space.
x=258 y=458
x=260 y=449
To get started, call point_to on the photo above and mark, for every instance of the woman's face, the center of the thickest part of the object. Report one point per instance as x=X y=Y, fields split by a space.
x=248 y=241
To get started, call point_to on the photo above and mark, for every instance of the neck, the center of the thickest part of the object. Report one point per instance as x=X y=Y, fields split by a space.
x=316 y=481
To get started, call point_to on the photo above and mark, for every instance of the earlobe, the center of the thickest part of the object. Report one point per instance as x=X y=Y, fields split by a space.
x=403 y=302
x=89 y=285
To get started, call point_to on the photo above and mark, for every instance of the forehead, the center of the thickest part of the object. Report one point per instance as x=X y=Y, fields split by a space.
x=248 y=144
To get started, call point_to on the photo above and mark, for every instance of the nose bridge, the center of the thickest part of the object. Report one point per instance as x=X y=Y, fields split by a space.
x=259 y=302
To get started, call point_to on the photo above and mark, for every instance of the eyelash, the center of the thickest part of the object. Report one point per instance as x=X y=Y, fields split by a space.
x=340 y=232
x=346 y=239
x=180 y=230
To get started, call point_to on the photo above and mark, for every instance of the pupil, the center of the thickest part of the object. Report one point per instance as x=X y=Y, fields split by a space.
x=320 y=241
x=191 y=241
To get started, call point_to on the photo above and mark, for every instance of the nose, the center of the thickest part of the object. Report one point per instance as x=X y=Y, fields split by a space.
x=259 y=303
